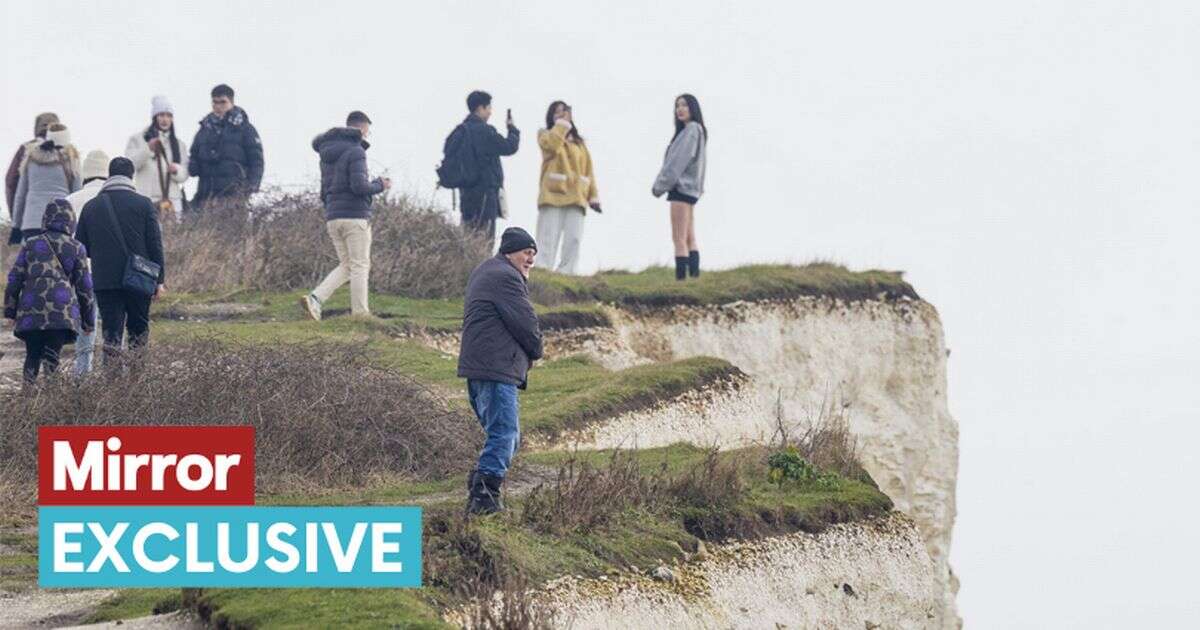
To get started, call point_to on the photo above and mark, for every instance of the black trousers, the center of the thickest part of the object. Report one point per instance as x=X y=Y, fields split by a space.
x=479 y=209
x=123 y=311
x=43 y=346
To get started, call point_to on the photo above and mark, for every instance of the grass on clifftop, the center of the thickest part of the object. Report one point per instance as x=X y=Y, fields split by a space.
x=565 y=393
x=657 y=286
x=565 y=302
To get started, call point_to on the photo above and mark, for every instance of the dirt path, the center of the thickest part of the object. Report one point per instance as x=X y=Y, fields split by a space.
x=48 y=608
x=172 y=621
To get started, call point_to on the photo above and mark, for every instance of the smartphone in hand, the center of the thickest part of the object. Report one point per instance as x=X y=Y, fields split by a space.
x=509 y=121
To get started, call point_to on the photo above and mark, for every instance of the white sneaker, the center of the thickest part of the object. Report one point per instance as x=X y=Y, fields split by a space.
x=311 y=306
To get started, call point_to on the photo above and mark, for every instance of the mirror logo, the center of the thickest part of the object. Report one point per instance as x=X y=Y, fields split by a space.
x=174 y=506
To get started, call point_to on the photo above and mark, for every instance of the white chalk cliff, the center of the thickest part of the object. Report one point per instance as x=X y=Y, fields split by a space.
x=882 y=361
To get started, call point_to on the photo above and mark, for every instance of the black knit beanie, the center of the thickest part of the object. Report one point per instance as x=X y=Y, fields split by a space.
x=515 y=239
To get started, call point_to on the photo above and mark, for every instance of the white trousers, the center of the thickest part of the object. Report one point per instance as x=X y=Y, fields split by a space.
x=557 y=224
x=352 y=241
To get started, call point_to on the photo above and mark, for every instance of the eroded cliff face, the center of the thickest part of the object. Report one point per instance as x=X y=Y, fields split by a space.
x=869 y=574
x=882 y=361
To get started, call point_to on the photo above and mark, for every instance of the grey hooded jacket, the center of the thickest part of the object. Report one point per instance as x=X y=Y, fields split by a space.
x=43 y=180
x=683 y=165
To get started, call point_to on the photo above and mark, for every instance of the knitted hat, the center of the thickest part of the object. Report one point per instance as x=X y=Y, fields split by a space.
x=95 y=165
x=58 y=134
x=120 y=166
x=161 y=105
x=515 y=239
x=41 y=122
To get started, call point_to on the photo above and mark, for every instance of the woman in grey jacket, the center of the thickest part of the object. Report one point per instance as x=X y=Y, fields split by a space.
x=682 y=179
x=49 y=171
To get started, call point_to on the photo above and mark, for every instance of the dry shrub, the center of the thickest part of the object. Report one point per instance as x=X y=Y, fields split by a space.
x=716 y=483
x=323 y=417
x=509 y=605
x=824 y=439
x=280 y=244
x=584 y=496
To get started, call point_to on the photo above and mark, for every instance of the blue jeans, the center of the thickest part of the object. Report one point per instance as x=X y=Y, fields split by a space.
x=495 y=405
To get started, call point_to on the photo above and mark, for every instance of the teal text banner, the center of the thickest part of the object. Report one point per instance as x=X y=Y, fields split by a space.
x=229 y=546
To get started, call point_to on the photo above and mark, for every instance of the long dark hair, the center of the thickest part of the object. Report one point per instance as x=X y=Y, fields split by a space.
x=152 y=132
x=693 y=109
x=574 y=132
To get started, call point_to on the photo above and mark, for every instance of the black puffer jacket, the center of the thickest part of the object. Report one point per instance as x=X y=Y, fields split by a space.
x=500 y=337
x=481 y=199
x=227 y=156
x=346 y=188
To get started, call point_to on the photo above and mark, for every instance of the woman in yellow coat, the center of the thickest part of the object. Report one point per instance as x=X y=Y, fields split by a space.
x=568 y=188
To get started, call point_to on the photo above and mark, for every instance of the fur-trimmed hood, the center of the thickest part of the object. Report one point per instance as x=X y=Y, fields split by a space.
x=36 y=154
x=345 y=134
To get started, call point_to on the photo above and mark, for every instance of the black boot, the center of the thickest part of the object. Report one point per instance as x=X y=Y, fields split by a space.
x=485 y=494
x=694 y=263
x=681 y=267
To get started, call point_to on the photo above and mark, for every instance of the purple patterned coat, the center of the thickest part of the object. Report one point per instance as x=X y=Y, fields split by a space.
x=50 y=287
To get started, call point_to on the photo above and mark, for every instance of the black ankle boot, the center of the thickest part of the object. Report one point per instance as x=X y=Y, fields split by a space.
x=681 y=267
x=485 y=494
x=694 y=263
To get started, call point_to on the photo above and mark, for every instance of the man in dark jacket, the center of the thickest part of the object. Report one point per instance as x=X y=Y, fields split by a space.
x=346 y=191
x=227 y=153
x=121 y=310
x=481 y=203
x=500 y=340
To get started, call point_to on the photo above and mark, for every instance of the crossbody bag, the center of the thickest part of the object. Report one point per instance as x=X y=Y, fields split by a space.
x=141 y=273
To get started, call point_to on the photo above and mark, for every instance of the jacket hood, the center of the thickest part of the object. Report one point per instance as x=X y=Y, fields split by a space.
x=236 y=116
x=59 y=217
x=43 y=121
x=333 y=143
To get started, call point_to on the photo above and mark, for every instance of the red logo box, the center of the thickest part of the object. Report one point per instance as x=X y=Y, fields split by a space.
x=117 y=465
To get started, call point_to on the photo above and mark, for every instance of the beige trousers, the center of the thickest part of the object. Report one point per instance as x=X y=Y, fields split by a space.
x=352 y=241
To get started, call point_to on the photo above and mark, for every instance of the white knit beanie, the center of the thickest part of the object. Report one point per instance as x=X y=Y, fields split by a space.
x=160 y=105
x=95 y=165
x=59 y=135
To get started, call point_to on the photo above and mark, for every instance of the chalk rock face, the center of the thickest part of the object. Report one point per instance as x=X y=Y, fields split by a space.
x=882 y=363
x=870 y=574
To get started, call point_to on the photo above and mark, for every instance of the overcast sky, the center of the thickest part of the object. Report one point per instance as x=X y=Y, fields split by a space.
x=1030 y=165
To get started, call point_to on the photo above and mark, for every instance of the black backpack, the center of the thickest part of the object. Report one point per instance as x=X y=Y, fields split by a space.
x=459 y=168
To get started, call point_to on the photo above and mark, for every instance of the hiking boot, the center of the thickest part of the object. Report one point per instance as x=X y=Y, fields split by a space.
x=311 y=306
x=485 y=494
